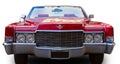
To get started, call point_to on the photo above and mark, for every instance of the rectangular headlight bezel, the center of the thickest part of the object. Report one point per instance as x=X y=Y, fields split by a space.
x=25 y=35
x=93 y=35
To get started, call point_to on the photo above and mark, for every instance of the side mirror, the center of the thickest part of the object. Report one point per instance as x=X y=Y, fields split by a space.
x=22 y=19
x=91 y=16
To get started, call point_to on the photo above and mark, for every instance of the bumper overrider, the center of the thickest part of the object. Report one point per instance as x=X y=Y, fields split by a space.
x=58 y=52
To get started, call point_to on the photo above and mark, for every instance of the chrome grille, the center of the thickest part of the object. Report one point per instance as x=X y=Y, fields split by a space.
x=59 y=39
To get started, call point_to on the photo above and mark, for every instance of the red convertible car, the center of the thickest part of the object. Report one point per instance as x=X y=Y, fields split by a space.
x=58 y=32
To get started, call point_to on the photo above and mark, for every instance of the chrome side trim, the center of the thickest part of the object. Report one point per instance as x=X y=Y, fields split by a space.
x=7 y=44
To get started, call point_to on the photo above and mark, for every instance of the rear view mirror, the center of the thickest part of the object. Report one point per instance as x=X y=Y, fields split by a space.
x=57 y=10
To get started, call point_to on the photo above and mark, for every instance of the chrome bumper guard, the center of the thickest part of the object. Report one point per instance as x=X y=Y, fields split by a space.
x=46 y=52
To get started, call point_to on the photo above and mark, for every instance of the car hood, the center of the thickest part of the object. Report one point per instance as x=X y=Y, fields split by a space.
x=58 y=24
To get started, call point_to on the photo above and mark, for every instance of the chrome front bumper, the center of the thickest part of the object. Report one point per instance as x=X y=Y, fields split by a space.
x=55 y=52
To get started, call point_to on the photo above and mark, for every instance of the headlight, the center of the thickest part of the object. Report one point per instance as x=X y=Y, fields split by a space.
x=25 y=38
x=110 y=39
x=88 y=38
x=20 y=38
x=93 y=37
x=98 y=38
x=30 y=38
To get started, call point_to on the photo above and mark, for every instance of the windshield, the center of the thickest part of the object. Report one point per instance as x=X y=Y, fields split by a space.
x=56 y=11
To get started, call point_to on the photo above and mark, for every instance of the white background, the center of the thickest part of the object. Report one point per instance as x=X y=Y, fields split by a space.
x=107 y=11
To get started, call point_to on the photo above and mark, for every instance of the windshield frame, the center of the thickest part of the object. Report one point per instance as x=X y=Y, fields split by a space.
x=85 y=15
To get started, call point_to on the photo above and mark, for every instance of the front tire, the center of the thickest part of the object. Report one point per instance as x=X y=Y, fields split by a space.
x=20 y=58
x=96 y=58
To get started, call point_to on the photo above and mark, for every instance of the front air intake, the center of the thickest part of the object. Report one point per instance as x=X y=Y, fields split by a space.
x=59 y=39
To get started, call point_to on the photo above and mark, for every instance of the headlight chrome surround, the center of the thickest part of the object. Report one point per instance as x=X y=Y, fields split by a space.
x=25 y=38
x=93 y=37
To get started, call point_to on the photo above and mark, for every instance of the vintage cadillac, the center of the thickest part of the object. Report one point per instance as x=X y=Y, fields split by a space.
x=58 y=32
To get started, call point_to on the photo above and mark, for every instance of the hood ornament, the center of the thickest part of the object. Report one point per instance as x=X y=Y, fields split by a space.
x=60 y=26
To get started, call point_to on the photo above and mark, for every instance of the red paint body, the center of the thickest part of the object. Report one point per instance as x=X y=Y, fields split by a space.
x=31 y=25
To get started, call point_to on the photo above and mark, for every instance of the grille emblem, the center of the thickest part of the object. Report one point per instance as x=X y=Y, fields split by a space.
x=59 y=26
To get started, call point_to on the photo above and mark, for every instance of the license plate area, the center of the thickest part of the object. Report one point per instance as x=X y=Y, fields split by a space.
x=59 y=54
